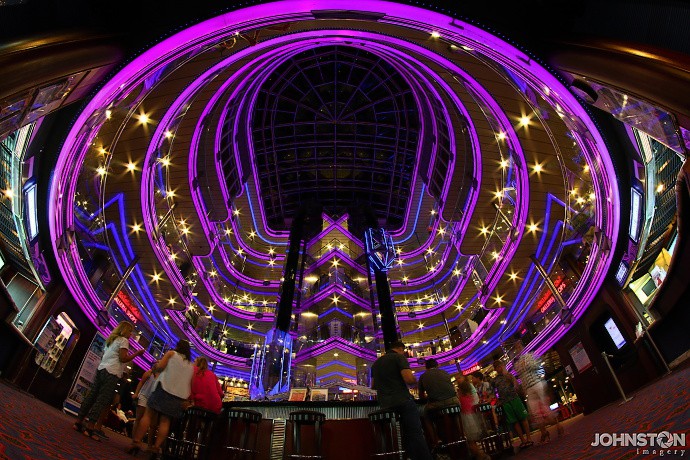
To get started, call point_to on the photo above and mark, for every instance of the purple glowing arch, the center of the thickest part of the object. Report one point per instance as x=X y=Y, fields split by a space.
x=199 y=37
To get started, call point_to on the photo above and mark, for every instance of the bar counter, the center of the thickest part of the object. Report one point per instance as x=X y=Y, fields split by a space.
x=346 y=435
x=334 y=410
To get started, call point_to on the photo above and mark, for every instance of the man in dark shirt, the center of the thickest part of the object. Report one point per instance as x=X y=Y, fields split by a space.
x=435 y=385
x=391 y=374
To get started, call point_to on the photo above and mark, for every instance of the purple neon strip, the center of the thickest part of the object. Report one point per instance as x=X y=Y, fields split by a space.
x=333 y=289
x=335 y=227
x=336 y=362
x=253 y=68
x=331 y=344
x=335 y=310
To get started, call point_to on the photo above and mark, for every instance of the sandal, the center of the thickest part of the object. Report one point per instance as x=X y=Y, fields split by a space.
x=91 y=433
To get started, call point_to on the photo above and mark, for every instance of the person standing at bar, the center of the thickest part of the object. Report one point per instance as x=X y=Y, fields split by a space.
x=391 y=374
x=168 y=398
x=516 y=414
x=206 y=391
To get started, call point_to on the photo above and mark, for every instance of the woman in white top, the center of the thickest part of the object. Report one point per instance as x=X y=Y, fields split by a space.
x=109 y=372
x=168 y=398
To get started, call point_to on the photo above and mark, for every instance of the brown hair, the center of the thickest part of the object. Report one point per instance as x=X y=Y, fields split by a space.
x=184 y=349
x=465 y=387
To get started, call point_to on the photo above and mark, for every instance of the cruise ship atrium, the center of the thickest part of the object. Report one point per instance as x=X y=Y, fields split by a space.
x=293 y=187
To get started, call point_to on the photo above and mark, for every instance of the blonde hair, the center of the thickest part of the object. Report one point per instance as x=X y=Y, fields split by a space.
x=120 y=330
x=202 y=364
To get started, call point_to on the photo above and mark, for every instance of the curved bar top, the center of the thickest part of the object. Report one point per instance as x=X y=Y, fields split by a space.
x=334 y=410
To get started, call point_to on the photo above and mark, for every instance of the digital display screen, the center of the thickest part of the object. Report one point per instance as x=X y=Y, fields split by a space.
x=635 y=208
x=615 y=333
x=31 y=212
x=622 y=273
x=553 y=406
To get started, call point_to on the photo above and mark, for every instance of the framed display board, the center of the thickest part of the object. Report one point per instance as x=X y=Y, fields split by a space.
x=318 y=394
x=298 y=394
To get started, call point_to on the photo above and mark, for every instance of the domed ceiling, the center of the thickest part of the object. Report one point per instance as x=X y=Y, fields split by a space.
x=184 y=173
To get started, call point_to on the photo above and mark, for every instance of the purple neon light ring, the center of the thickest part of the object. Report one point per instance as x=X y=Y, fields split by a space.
x=62 y=191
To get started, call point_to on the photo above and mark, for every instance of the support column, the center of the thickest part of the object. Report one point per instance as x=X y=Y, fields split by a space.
x=389 y=323
x=287 y=290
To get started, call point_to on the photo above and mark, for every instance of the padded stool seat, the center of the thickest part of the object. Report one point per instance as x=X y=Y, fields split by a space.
x=385 y=427
x=299 y=419
x=190 y=438
x=240 y=434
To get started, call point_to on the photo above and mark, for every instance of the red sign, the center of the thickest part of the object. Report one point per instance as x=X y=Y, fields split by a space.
x=473 y=368
x=548 y=299
x=127 y=306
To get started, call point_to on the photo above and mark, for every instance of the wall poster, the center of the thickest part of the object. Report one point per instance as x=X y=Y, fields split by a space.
x=580 y=357
x=86 y=375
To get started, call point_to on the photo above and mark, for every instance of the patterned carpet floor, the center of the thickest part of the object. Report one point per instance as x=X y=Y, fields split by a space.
x=33 y=430
x=663 y=405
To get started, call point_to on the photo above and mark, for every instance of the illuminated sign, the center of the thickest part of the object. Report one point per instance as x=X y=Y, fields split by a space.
x=475 y=367
x=127 y=306
x=548 y=299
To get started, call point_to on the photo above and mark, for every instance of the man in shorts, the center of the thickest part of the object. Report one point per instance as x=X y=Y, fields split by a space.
x=507 y=388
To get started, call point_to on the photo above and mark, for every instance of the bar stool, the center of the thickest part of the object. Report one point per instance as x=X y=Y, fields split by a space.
x=190 y=439
x=491 y=440
x=503 y=430
x=450 y=432
x=299 y=419
x=239 y=434
x=386 y=434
